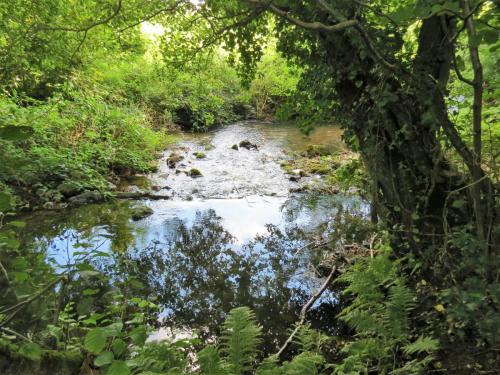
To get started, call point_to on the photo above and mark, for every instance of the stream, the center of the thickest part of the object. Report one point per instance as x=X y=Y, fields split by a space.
x=228 y=238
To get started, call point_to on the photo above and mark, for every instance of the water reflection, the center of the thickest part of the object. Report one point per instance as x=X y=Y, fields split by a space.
x=199 y=273
x=200 y=259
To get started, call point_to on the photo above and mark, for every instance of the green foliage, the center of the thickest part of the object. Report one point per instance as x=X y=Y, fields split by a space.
x=195 y=97
x=75 y=144
x=274 y=83
x=95 y=340
x=380 y=316
x=240 y=340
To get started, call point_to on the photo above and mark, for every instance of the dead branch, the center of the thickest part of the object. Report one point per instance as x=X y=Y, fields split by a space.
x=304 y=310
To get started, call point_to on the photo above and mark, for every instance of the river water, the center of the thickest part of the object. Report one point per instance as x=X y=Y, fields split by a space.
x=226 y=239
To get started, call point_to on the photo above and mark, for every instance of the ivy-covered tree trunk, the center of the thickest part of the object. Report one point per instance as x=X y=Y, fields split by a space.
x=398 y=119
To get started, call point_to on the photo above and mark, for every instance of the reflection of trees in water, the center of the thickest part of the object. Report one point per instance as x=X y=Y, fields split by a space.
x=203 y=273
x=199 y=272
x=54 y=230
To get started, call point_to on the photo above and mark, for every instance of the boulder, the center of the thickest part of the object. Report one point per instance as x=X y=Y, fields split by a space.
x=235 y=147
x=199 y=155
x=140 y=212
x=173 y=159
x=194 y=173
x=248 y=145
x=69 y=188
x=86 y=197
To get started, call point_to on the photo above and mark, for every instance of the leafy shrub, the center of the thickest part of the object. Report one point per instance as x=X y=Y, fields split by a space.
x=76 y=140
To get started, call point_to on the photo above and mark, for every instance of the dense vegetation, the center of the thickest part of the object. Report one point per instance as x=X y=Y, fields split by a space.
x=88 y=98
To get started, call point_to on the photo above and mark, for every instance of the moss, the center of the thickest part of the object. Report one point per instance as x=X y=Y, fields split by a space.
x=208 y=146
x=140 y=212
x=194 y=173
x=337 y=171
x=52 y=362
x=200 y=155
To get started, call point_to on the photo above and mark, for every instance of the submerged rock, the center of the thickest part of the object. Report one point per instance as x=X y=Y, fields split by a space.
x=248 y=145
x=199 y=155
x=86 y=197
x=140 y=212
x=194 y=173
x=235 y=147
x=173 y=159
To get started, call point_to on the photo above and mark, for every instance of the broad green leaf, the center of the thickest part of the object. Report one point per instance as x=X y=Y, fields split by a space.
x=31 y=350
x=95 y=340
x=90 y=292
x=118 y=368
x=104 y=359
x=114 y=329
x=118 y=347
x=17 y=224
x=139 y=336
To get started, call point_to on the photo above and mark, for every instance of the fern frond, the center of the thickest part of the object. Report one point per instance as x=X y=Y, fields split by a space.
x=310 y=340
x=270 y=366
x=240 y=340
x=421 y=345
x=209 y=361
x=304 y=364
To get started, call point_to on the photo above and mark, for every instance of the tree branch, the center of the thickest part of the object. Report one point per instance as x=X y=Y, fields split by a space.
x=304 y=310
x=19 y=306
x=92 y=25
x=173 y=7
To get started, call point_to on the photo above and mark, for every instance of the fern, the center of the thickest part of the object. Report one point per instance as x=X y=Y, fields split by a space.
x=311 y=340
x=304 y=364
x=240 y=340
x=210 y=362
x=379 y=314
x=270 y=366
x=421 y=345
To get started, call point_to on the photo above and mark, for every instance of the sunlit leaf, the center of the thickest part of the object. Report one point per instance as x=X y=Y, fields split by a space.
x=95 y=340
x=118 y=368
x=104 y=359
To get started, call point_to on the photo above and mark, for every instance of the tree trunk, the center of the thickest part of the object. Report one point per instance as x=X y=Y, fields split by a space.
x=398 y=128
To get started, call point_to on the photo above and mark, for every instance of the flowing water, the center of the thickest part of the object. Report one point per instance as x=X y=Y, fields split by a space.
x=226 y=239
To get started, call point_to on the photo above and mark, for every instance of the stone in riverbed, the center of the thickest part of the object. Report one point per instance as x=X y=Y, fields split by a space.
x=194 y=173
x=86 y=197
x=199 y=155
x=173 y=159
x=69 y=188
x=235 y=147
x=140 y=212
x=248 y=145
